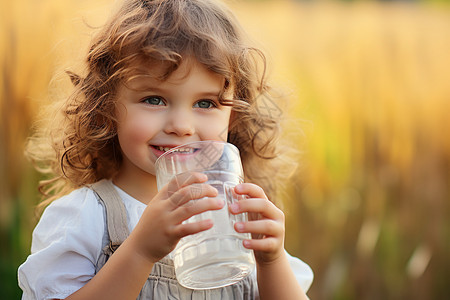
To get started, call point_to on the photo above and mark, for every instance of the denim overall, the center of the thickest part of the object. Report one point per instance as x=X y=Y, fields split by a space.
x=161 y=283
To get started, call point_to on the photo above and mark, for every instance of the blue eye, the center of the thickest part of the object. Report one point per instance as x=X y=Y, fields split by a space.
x=153 y=100
x=205 y=104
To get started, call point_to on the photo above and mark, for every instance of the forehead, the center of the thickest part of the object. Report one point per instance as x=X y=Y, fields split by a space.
x=155 y=73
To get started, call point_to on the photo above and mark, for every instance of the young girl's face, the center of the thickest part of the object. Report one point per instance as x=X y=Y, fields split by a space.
x=154 y=116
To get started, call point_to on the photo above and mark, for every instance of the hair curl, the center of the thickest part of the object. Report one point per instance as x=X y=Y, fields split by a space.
x=84 y=145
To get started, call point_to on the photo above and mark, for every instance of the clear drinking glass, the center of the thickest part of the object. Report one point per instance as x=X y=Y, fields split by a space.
x=215 y=257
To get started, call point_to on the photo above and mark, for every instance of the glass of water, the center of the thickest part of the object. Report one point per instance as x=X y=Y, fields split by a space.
x=216 y=257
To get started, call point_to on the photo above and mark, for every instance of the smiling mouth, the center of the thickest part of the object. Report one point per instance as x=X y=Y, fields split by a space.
x=182 y=150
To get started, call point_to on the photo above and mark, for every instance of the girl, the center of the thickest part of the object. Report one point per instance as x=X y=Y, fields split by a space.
x=159 y=74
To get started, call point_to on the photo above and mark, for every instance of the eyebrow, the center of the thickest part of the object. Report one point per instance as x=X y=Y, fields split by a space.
x=147 y=87
x=138 y=83
x=143 y=83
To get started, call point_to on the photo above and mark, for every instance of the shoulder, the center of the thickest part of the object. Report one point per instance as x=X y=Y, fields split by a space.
x=82 y=196
x=78 y=211
x=77 y=201
x=65 y=248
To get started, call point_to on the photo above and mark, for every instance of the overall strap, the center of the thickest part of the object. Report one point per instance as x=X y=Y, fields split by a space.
x=116 y=215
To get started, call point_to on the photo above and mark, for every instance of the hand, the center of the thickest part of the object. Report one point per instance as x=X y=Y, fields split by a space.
x=160 y=227
x=266 y=223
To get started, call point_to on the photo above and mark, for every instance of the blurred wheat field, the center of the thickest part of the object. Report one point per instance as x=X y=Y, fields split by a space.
x=368 y=209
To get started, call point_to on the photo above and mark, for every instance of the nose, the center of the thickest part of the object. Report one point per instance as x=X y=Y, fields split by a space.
x=179 y=122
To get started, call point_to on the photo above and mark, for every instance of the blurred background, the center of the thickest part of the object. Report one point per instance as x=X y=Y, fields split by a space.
x=369 y=207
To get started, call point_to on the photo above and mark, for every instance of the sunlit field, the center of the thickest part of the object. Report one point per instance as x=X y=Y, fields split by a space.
x=369 y=106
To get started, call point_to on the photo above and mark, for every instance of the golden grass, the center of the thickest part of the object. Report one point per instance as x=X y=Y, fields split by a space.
x=369 y=82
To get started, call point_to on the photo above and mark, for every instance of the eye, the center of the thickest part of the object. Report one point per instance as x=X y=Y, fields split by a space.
x=153 y=100
x=205 y=104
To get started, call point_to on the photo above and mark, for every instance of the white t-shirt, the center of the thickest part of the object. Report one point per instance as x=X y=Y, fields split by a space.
x=68 y=240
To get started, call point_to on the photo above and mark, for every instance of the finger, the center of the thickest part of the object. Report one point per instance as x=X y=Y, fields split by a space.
x=184 y=179
x=196 y=207
x=261 y=227
x=261 y=206
x=265 y=245
x=192 y=192
x=185 y=229
x=251 y=190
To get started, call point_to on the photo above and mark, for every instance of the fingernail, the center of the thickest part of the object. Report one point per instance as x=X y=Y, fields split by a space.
x=246 y=243
x=239 y=226
x=209 y=222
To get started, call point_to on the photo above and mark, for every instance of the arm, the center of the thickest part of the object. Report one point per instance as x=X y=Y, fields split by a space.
x=122 y=277
x=277 y=281
x=156 y=234
x=275 y=277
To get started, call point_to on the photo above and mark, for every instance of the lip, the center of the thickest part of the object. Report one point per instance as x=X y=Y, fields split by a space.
x=169 y=159
x=158 y=152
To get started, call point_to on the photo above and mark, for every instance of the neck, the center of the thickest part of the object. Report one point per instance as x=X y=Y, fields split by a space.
x=142 y=188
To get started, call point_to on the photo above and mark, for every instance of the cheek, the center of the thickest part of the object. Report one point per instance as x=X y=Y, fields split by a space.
x=213 y=128
x=222 y=127
x=134 y=130
x=221 y=131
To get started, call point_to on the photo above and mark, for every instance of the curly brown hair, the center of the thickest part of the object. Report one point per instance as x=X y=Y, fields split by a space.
x=84 y=146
